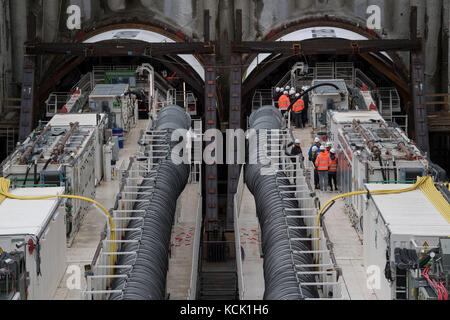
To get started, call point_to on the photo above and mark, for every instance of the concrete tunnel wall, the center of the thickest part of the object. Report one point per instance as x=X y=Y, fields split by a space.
x=260 y=19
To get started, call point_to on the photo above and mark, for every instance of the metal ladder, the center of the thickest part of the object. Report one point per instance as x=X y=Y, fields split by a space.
x=10 y=140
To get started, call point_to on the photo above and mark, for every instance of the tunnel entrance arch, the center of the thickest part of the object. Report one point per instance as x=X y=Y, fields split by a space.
x=188 y=66
x=388 y=64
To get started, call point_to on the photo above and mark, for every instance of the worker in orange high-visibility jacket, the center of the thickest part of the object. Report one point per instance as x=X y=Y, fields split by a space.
x=328 y=145
x=297 y=110
x=323 y=163
x=332 y=172
x=284 y=102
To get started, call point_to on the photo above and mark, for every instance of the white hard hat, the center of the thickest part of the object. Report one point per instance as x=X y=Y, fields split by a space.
x=316 y=140
x=277 y=89
x=287 y=88
x=314 y=149
x=329 y=144
x=297 y=141
x=304 y=88
x=332 y=150
x=322 y=148
x=297 y=95
x=285 y=92
x=292 y=92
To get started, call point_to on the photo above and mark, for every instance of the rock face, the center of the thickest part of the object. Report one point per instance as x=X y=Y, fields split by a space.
x=260 y=18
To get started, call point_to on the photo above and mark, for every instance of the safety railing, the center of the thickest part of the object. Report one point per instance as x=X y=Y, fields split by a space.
x=131 y=177
x=85 y=84
x=324 y=70
x=237 y=205
x=325 y=269
x=361 y=79
x=388 y=101
x=262 y=97
x=402 y=122
x=102 y=270
x=345 y=71
x=122 y=214
x=56 y=102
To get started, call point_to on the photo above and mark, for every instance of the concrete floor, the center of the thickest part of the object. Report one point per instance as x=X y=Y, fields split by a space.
x=252 y=264
x=87 y=239
x=182 y=244
x=348 y=248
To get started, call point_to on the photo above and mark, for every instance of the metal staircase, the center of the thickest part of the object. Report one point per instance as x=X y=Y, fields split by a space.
x=389 y=102
x=218 y=285
x=57 y=100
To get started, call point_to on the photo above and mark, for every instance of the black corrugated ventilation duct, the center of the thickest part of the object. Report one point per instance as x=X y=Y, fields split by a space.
x=147 y=275
x=281 y=267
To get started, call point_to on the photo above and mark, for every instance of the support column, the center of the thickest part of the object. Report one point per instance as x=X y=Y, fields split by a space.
x=235 y=122
x=211 y=184
x=418 y=90
x=29 y=90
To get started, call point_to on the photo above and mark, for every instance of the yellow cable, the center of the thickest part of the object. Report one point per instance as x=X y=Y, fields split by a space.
x=436 y=198
x=425 y=184
x=4 y=193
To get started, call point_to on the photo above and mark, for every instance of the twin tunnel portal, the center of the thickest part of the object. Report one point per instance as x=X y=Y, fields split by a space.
x=197 y=64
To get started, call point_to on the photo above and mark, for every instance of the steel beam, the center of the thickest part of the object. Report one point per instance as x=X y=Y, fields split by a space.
x=211 y=184
x=235 y=123
x=418 y=90
x=29 y=92
x=326 y=46
x=124 y=48
x=28 y=97
x=388 y=72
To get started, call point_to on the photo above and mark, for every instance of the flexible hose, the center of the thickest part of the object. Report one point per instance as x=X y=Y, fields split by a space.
x=26 y=176
x=425 y=184
x=146 y=270
x=4 y=193
x=281 y=265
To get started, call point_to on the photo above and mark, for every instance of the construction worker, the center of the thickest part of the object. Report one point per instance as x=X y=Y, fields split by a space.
x=332 y=172
x=305 y=98
x=316 y=144
x=313 y=158
x=329 y=145
x=277 y=94
x=284 y=102
x=323 y=162
x=297 y=110
x=297 y=149
x=292 y=94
